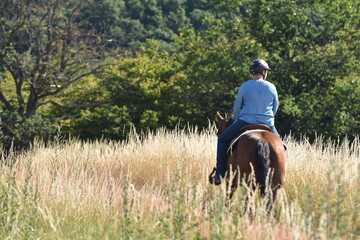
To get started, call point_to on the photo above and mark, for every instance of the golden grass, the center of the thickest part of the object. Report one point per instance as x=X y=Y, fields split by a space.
x=154 y=186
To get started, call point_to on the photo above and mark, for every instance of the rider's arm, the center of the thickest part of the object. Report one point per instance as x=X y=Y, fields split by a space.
x=275 y=101
x=238 y=105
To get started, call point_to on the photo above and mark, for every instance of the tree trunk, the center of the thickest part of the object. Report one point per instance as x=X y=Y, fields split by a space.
x=32 y=103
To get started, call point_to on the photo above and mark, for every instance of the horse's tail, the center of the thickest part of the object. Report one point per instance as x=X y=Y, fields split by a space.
x=262 y=164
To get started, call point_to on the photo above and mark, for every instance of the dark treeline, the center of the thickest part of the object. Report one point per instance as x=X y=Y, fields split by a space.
x=96 y=68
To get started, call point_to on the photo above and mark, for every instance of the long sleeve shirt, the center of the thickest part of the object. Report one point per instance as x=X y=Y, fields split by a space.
x=257 y=102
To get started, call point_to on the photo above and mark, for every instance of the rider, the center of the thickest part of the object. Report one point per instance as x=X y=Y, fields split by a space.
x=256 y=103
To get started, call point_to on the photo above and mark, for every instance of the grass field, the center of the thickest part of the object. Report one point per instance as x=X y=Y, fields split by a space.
x=154 y=186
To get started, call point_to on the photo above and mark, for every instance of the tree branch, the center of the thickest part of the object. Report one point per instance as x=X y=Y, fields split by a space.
x=5 y=101
x=66 y=117
x=69 y=82
x=45 y=45
x=75 y=105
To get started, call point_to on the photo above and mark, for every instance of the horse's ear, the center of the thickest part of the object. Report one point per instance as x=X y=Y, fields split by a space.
x=219 y=117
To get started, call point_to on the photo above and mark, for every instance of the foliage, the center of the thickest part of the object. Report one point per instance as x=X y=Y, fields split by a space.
x=148 y=87
x=309 y=51
x=215 y=63
x=17 y=132
x=111 y=122
x=44 y=52
x=142 y=88
x=129 y=23
x=177 y=62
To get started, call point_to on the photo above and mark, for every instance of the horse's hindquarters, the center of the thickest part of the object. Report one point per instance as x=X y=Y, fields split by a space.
x=246 y=152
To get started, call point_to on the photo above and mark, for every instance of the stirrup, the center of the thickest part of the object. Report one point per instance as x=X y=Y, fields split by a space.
x=211 y=176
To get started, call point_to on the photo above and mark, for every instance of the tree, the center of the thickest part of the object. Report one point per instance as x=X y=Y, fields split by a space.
x=129 y=23
x=44 y=49
x=312 y=48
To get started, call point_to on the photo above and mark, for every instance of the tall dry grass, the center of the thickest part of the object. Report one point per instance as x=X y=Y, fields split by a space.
x=154 y=186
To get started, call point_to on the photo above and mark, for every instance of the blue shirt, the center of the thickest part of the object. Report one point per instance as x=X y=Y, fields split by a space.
x=257 y=102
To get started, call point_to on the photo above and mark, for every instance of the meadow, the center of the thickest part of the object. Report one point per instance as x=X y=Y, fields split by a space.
x=154 y=186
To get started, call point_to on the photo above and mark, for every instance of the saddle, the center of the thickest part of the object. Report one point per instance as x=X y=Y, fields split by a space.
x=250 y=127
x=255 y=127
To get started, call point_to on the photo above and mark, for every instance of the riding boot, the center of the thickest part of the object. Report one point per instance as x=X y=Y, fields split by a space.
x=215 y=179
x=220 y=173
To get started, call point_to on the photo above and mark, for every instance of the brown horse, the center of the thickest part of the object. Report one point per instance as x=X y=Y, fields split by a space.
x=257 y=151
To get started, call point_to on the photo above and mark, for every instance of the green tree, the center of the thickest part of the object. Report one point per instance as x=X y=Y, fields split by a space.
x=150 y=77
x=129 y=23
x=215 y=63
x=144 y=92
x=311 y=47
x=43 y=52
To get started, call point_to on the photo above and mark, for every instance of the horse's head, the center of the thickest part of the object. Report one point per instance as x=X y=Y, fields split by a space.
x=223 y=123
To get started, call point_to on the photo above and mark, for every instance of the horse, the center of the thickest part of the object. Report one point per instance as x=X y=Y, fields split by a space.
x=257 y=151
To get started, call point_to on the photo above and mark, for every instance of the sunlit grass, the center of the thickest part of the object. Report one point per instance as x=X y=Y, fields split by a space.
x=154 y=186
